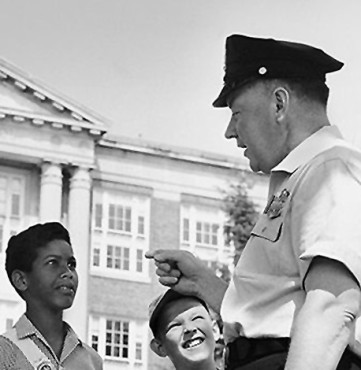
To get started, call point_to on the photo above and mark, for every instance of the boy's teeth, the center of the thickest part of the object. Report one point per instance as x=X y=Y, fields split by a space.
x=65 y=288
x=193 y=343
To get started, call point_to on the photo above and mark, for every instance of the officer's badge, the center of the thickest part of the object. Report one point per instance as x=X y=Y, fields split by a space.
x=276 y=204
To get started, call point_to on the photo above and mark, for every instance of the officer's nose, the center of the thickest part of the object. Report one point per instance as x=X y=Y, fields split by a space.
x=230 y=131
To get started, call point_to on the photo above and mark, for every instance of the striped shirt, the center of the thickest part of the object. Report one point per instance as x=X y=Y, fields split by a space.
x=75 y=354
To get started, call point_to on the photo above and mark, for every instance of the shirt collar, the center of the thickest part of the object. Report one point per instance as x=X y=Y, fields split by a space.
x=321 y=140
x=25 y=328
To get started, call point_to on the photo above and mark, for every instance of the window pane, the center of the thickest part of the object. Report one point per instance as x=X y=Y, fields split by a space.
x=96 y=257
x=111 y=210
x=214 y=240
x=15 y=205
x=186 y=229
x=139 y=260
x=140 y=225
x=94 y=342
x=98 y=215
x=109 y=256
x=138 y=351
x=111 y=217
x=128 y=213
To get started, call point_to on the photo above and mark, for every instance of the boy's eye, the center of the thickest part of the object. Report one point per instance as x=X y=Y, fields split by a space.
x=72 y=264
x=172 y=326
x=199 y=317
x=52 y=262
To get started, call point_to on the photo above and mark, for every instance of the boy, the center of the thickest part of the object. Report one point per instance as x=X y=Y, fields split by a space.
x=42 y=268
x=182 y=330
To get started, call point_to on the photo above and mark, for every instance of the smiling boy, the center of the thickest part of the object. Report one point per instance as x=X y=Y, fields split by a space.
x=42 y=268
x=182 y=330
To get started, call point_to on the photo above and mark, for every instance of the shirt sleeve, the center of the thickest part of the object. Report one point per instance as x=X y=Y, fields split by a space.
x=326 y=215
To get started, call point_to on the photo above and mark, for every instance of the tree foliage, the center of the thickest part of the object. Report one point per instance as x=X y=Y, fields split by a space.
x=241 y=214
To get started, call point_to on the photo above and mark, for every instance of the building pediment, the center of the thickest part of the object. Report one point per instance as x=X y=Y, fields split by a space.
x=23 y=98
x=37 y=124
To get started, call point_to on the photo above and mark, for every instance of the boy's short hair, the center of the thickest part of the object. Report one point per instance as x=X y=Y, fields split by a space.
x=22 y=248
x=157 y=306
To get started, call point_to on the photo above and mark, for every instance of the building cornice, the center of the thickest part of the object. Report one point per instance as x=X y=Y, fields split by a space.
x=181 y=154
x=38 y=120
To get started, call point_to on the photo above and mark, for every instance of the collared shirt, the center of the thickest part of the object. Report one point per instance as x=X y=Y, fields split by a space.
x=313 y=210
x=75 y=354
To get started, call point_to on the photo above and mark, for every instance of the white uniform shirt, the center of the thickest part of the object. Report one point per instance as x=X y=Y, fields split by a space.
x=315 y=211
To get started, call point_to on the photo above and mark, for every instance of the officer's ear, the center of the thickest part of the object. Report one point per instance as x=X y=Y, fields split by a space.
x=19 y=280
x=157 y=347
x=281 y=101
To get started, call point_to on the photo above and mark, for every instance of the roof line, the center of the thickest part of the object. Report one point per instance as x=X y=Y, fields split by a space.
x=172 y=154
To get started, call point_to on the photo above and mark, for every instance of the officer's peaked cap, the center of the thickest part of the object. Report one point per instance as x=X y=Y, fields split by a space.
x=250 y=58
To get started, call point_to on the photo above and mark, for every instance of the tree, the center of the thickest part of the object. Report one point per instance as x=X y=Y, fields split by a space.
x=241 y=216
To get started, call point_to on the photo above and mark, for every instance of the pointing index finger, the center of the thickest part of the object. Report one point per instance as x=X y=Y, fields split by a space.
x=156 y=255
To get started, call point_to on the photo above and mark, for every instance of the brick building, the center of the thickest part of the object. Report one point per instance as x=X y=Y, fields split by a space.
x=118 y=197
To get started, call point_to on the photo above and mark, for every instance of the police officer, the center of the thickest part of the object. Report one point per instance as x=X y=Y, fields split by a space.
x=294 y=298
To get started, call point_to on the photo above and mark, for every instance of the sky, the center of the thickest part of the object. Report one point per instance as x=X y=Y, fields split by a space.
x=152 y=68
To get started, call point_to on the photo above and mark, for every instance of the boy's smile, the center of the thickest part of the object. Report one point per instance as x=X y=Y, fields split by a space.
x=192 y=343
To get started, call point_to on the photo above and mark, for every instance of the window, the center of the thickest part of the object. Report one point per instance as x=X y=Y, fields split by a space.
x=140 y=257
x=118 y=257
x=185 y=229
x=98 y=215
x=3 y=191
x=201 y=232
x=12 y=190
x=119 y=218
x=120 y=339
x=206 y=233
x=117 y=338
x=120 y=235
x=96 y=257
x=15 y=197
x=140 y=225
x=138 y=351
x=95 y=341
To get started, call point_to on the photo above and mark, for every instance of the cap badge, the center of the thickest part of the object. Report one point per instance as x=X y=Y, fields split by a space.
x=262 y=70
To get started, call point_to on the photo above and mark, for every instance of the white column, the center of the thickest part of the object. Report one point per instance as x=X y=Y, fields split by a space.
x=50 y=192
x=79 y=229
